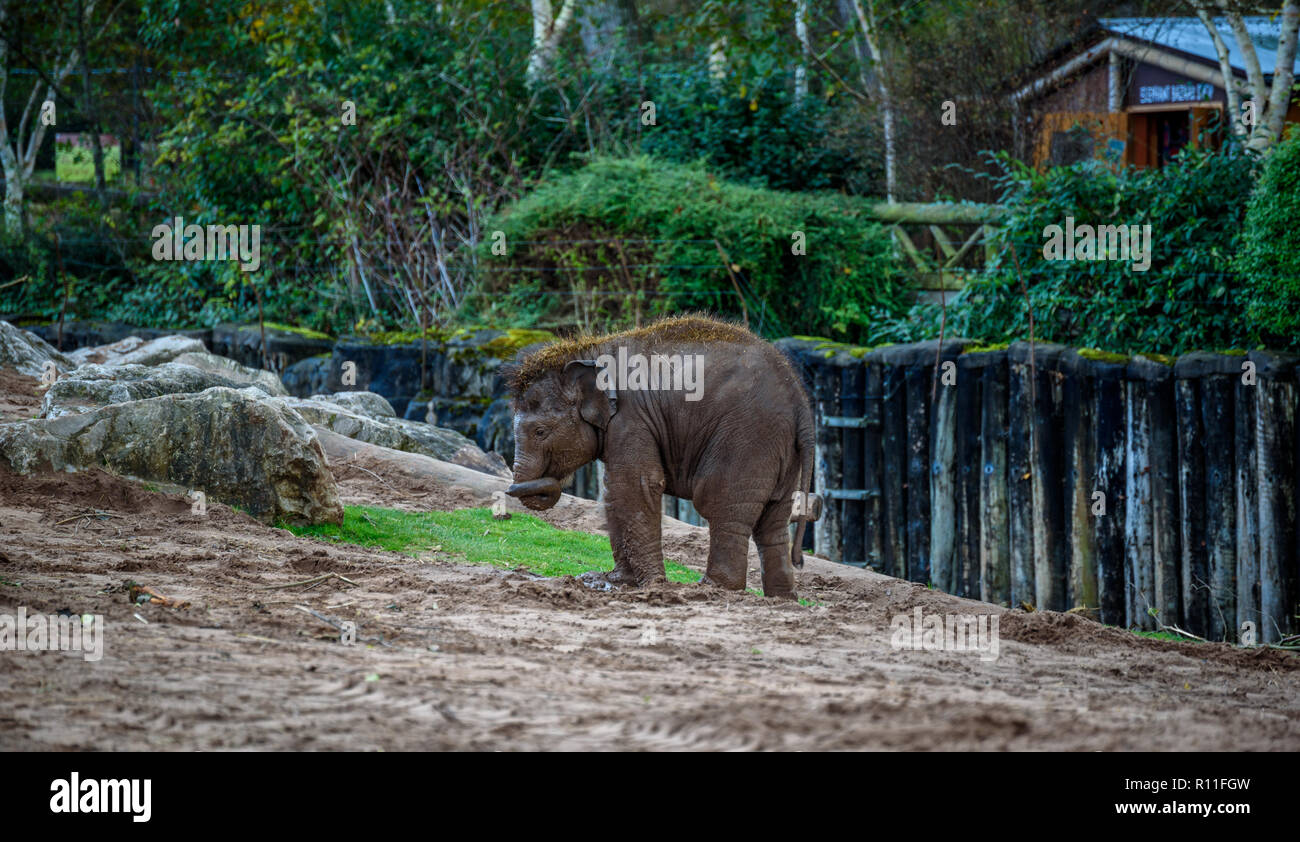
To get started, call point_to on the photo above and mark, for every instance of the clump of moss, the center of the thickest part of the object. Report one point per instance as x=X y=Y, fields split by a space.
x=984 y=349
x=306 y=333
x=509 y=343
x=1233 y=352
x=404 y=337
x=1100 y=356
x=677 y=329
x=1163 y=359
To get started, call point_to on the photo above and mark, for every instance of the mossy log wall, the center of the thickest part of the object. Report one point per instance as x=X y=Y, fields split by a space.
x=1142 y=491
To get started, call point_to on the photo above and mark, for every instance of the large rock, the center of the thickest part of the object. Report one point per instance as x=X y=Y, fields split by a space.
x=92 y=386
x=234 y=445
x=27 y=353
x=162 y=350
x=110 y=354
x=399 y=434
x=307 y=377
x=132 y=350
x=361 y=403
x=231 y=370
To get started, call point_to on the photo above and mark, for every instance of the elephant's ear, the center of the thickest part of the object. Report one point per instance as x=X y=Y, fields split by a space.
x=593 y=404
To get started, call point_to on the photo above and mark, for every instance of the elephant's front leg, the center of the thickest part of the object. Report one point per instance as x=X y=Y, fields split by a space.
x=634 y=510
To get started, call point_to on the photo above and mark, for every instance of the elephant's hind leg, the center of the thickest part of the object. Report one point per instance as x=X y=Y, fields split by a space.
x=729 y=533
x=772 y=536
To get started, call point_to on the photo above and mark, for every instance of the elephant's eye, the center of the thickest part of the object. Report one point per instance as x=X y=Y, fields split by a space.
x=540 y=432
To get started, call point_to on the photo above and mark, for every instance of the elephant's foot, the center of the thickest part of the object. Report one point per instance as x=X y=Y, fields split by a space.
x=622 y=575
x=727 y=584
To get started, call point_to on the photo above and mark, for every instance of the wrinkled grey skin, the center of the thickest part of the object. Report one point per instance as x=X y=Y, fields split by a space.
x=738 y=453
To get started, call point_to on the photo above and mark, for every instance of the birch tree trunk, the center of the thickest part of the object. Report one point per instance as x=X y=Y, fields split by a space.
x=548 y=29
x=1231 y=85
x=805 y=48
x=867 y=20
x=1271 y=101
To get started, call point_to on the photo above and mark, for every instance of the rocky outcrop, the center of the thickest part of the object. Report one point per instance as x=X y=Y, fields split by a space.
x=92 y=386
x=27 y=353
x=237 y=446
x=398 y=434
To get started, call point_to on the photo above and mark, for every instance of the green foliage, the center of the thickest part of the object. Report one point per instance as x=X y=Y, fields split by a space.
x=75 y=163
x=474 y=536
x=757 y=133
x=1269 y=260
x=1189 y=298
x=654 y=229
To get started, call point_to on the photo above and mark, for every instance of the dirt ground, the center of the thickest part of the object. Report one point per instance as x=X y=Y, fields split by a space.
x=452 y=656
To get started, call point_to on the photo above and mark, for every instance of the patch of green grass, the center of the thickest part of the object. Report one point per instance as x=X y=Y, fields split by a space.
x=1161 y=635
x=474 y=536
x=73 y=164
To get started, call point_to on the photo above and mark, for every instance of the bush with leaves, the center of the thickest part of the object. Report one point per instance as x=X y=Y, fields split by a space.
x=1189 y=298
x=1269 y=260
x=678 y=238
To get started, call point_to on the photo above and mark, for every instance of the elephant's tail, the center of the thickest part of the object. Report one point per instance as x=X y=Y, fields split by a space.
x=805 y=444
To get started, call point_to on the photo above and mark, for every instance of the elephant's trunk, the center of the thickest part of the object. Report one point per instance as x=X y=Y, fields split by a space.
x=537 y=493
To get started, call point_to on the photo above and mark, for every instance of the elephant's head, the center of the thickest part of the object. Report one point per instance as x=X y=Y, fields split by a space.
x=560 y=420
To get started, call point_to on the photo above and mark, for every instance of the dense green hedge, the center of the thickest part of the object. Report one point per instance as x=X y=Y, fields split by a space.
x=641 y=224
x=1269 y=261
x=1190 y=297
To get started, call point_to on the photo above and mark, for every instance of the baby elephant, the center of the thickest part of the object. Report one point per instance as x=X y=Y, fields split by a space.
x=697 y=408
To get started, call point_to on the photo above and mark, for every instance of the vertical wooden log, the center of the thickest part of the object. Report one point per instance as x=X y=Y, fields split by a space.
x=918 y=473
x=968 y=462
x=826 y=388
x=873 y=526
x=1277 y=452
x=1191 y=491
x=1139 y=549
x=893 y=460
x=1020 y=490
x=1165 y=511
x=852 y=393
x=995 y=542
x=1077 y=442
x=943 y=483
x=1219 y=437
x=1046 y=478
x=1247 y=503
x=1108 y=447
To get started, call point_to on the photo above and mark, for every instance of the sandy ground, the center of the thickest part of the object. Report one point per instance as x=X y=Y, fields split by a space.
x=451 y=656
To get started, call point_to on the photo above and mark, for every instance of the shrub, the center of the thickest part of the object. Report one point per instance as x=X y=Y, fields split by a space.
x=1269 y=260
x=1189 y=297
x=623 y=236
